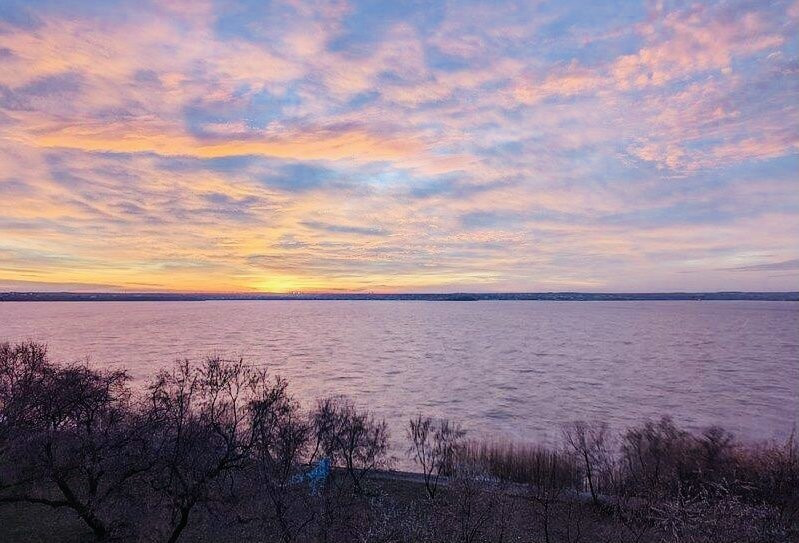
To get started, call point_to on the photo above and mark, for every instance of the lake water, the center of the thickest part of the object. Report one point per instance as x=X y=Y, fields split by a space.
x=508 y=368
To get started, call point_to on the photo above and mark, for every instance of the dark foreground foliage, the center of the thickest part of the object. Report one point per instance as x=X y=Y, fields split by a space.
x=220 y=451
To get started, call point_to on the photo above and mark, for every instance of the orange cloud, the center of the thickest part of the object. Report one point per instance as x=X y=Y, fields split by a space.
x=151 y=136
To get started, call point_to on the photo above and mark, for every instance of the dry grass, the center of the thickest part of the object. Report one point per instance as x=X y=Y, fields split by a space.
x=523 y=463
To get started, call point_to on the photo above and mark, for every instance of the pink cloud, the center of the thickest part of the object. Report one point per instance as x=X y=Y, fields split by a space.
x=680 y=44
x=570 y=80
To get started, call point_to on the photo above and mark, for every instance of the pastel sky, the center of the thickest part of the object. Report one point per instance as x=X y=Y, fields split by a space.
x=399 y=146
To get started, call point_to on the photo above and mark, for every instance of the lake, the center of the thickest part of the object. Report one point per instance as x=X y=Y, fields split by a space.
x=514 y=369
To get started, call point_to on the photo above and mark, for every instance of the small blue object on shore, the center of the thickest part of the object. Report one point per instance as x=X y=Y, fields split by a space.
x=316 y=477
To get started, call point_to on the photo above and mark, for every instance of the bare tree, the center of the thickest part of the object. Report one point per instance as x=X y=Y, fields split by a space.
x=588 y=441
x=71 y=437
x=434 y=447
x=281 y=440
x=24 y=370
x=200 y=424
x=351 y=439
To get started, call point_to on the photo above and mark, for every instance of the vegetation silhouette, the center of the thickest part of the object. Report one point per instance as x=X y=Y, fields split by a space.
x=221 y=451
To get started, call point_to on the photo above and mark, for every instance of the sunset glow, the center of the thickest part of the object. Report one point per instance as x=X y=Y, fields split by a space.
x=398 y=146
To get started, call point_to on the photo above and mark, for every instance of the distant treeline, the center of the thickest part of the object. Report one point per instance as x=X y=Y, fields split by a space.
x=442 y=297
x=221 y=451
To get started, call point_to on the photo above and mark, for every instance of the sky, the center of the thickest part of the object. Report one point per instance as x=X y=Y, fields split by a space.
x=404 y=146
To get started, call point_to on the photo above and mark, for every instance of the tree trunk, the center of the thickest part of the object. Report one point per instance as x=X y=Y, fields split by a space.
x=97 y=526
x=181 y=525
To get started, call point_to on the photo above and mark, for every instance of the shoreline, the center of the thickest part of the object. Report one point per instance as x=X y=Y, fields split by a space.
x=436 y=297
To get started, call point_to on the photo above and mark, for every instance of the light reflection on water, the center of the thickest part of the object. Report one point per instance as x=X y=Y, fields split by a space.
x=509 y=368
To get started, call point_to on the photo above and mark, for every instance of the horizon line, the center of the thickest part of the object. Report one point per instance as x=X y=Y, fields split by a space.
x=386 y=293
x=354 y=295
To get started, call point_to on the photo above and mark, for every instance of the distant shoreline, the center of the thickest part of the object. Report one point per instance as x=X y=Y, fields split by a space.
x=441 y=297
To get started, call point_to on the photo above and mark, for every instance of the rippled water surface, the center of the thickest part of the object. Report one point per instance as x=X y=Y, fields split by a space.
x=514 y=369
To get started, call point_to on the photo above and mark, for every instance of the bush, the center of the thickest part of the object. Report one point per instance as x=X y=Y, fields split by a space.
x=769 y=473
x=718 y=517
x=657 y=458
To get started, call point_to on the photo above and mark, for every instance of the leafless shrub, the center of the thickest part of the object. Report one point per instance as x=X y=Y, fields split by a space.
x=352 y=439
x=655 y=458
x=769 y=473
x=435 y=447
x=716 y=446
x=718 y=517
